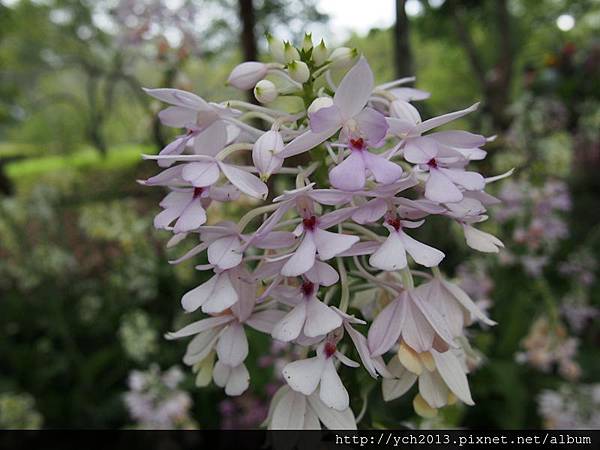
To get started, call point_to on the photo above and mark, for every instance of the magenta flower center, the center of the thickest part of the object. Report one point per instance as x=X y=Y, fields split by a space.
x=329 y=349
x=307 y=288
x=198 y=191
x=395 y=222
x=357 y=144
x=432 y=163
x=309 y=223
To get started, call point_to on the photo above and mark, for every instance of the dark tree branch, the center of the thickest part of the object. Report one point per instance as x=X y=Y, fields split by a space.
x=402 y=51
x=248 y=36
x=467 y=42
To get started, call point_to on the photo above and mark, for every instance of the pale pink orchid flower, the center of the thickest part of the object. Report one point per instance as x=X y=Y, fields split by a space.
x=306 y=375
x=188 y=206
x=382 y=197
x=317 y=241
x=375 y=365
x=303 y=200
x=352 y=173
x=446 y=173
x=448 y=375
x=348 y=113
x=391 y=255
x=455 y=306
x=205 y=169
x=225 y=334
x=291 y=410
x=308 y=315
x=414 y=320
x=191 y=112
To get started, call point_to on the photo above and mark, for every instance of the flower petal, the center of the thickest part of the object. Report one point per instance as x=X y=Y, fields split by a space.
x=331 y=244
x=323 y=274
x=232 y=347
x=177 y=117
x=471 y=181
x=302 y=259
x=223 y=296
x=372 y=125
x=482 y=241
x=320 y=318
x=201 y=173
x=440 y=189
x=244 y=181
x=349 y=175
x=420 y=150
x=238 y=382
x=387 y=326
x=403 y=380
x=225 y=252
x=391 y=255
x=453 y=375
x=291 y=324
x=354 y=90
x=306 y=141
x=264 y=321
x=195 y=298
x=433 y=389
x=332 y=391
x=384 y=171
x=289 y=412
x=199 y=326
x=304 y=375
x=179 y=98
x=332 y=418
x=441 y=120
x=192 y=217
x=325 y=119
x=371 y=211
x=422 y=254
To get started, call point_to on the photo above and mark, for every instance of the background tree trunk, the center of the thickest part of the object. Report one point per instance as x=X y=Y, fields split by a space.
x=248 y=37
x=402 y=52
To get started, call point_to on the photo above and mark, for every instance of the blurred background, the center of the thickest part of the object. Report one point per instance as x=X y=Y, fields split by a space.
x=86 y=292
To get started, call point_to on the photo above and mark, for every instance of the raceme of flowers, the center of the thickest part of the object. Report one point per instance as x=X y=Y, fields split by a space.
x=367 y=172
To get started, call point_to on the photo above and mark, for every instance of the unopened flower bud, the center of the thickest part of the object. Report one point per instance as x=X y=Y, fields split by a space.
x=343 y=57
x=276 y=48
x=405 y=111
x=307 y=43
x=299 y=71
x=265 y=91
x=318 y=103
x=265 y=153
x=246 y=75
x=320 y=53
x=290 y=53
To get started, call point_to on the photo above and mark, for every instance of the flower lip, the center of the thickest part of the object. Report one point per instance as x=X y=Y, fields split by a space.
x=432 y=163
x=357 y=144
x=309 y=223
x=330 y=349
x=395 y=222
x=307 y=288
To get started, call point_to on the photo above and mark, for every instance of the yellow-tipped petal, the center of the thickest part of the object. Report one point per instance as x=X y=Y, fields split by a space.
x=422 y=408
x=427 y=361
x=205 y=369
x=409 y=359
x=452 y=399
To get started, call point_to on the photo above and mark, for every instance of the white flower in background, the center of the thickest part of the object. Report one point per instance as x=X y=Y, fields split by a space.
x=293 y=265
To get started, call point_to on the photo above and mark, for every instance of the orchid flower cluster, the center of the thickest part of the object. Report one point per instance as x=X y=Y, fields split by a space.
x=358 y=172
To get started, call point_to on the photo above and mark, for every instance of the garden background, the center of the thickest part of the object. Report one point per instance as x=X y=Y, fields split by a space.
x=86 y=292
